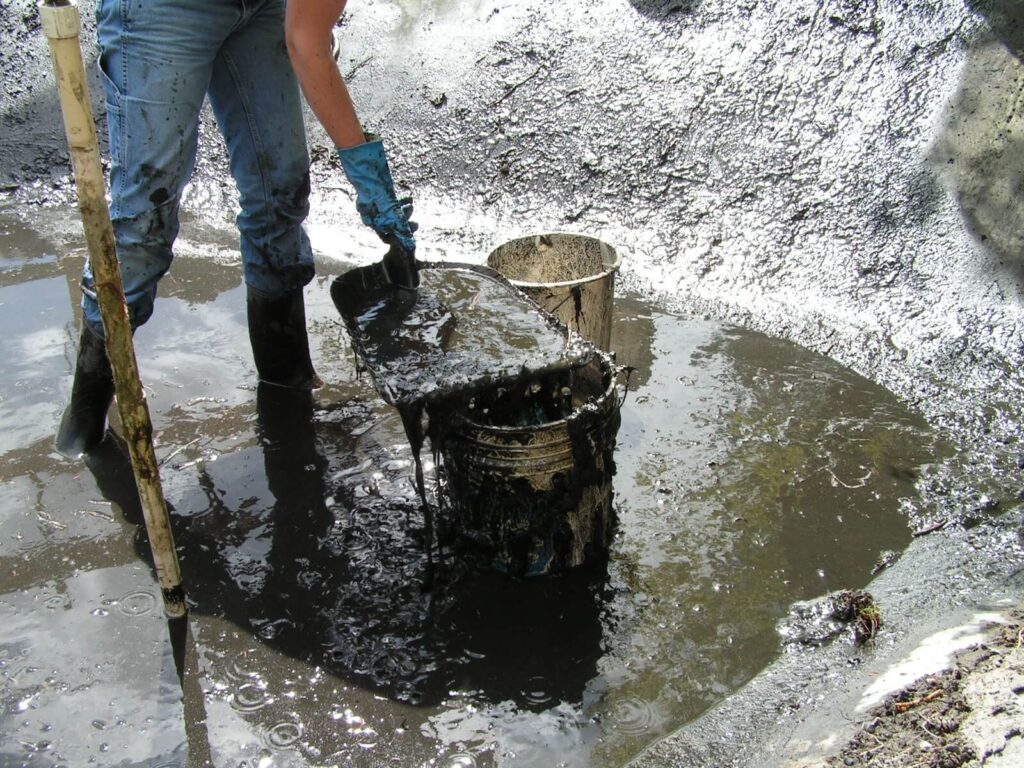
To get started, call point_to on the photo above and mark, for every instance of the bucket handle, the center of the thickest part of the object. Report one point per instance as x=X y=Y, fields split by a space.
x=575 y=293
x=618 y=371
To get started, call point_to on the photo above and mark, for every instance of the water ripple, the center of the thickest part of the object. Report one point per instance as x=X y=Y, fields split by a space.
x=57 y=601
x=284 y=734
x=137 y=603
x=536 y=691
x=631 y=715
x=249 y=698
x=459 y=760
x=236 y=672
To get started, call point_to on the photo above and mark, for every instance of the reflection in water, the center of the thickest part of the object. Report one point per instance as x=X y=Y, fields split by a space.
x=533 y=642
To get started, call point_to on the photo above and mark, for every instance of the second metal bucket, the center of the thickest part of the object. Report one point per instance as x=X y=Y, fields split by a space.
x=529 y=490
x=571 y=276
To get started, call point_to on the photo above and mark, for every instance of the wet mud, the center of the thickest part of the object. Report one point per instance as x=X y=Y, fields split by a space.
x=840 y=175
x=966 y=715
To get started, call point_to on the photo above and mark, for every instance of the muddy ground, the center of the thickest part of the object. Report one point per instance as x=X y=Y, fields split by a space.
x=845 y=175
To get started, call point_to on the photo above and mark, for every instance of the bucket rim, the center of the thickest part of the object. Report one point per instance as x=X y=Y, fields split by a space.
x=607 y=365
x=611 y=270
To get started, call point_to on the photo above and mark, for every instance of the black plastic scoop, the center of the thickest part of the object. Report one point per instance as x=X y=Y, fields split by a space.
x=465 y=329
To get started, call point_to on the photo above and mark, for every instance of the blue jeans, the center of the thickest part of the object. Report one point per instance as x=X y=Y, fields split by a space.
x=159 y=60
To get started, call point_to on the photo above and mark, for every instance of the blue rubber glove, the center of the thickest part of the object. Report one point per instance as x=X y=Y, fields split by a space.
x=366 y=166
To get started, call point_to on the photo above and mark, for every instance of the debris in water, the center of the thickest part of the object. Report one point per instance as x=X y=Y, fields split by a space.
x=885 y=559
x=816 y=622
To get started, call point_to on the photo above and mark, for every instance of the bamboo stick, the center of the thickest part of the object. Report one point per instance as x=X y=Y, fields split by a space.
x=61 y=25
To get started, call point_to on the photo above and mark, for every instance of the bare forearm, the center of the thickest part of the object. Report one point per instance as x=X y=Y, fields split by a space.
x=308 y=26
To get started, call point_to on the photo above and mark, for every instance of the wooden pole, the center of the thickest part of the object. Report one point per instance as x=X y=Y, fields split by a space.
x=60 y=22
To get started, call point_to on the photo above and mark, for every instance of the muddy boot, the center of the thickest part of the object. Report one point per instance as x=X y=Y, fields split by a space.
x=85 y=419
x=280 y=346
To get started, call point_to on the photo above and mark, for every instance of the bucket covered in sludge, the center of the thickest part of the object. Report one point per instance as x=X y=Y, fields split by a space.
x=571 y=276
x=527 y=475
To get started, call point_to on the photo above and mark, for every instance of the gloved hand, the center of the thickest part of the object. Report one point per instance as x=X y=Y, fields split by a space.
x=366 y=166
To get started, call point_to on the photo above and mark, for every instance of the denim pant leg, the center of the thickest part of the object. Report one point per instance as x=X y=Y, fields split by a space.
x=256 y=100
x=156 y=58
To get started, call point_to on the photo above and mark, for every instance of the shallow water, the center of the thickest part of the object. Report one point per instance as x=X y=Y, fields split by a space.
x=751 y=474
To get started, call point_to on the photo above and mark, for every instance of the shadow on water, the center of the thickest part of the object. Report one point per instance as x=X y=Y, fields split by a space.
x=980 y=150
x=345 y=593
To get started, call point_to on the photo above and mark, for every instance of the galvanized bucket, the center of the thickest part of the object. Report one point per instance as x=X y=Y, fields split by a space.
x=536 y=498
x=571 y=276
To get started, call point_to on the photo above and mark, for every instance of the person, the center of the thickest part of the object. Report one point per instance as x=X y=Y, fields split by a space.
x=309 y=28
x=159 y=60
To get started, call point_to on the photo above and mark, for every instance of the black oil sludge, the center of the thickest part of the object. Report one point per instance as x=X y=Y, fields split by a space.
x=521 y=414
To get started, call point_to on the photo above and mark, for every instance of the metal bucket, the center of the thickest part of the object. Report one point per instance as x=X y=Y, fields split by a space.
x=571 y=276
x=535 y=498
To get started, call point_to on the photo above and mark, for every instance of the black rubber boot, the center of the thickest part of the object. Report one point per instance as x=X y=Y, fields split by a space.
x=280 y=346
x=85 y=419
